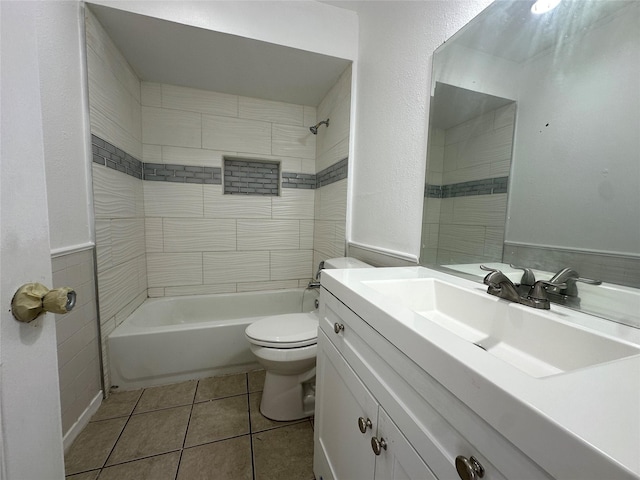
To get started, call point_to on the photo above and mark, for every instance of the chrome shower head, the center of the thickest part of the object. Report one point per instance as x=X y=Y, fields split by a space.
x=314 y=129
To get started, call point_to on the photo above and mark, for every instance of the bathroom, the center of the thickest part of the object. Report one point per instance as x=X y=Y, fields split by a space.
x=386 y=123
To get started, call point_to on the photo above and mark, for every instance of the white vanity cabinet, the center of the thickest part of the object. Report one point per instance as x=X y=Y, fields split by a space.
x=380 y=416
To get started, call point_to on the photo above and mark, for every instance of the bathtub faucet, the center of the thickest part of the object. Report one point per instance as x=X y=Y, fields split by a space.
x=316 y=282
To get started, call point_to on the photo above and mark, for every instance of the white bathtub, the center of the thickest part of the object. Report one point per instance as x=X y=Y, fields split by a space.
x=172 y=339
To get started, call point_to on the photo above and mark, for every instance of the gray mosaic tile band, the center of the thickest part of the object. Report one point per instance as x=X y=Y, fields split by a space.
x=164 y=172
x=332 y=174
x=487 y=186
x=298 y=180
x=111 y=156
x=329 y=175
x=246 y=177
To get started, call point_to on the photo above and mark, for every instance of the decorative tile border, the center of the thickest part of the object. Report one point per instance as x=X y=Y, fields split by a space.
x=165 y=172
x=241 y=176
x=329 y=175
x=487 y=186
x=112 y=157
x=249 y=177
x=335 y=172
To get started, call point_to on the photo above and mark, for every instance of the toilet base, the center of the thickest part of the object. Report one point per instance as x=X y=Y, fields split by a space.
x=282 y=396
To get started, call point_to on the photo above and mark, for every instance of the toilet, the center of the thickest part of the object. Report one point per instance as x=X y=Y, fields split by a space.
x=285 y=345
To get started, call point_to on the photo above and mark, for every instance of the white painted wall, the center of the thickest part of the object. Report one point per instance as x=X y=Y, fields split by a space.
x=306 y=25
x=393 y=78
x=589 y=161
x=64 y=111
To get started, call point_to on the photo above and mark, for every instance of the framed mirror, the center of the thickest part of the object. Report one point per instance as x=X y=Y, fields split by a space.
x=534 y=145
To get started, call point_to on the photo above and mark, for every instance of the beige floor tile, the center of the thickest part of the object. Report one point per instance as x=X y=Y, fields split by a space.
x=167 y=396
x=150 y=434
x=93 y=475
x=220 y=387
x=217 y=420
x=256 y=380
x=119 y=404
x=284 y=453
x=161 y=467
x=91 y=449
x=258 y=421
x=225 y=460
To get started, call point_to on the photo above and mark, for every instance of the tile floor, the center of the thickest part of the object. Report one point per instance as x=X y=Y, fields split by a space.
x=200 y=429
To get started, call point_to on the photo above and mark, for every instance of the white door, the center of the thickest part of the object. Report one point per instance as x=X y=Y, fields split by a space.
x=29 y=396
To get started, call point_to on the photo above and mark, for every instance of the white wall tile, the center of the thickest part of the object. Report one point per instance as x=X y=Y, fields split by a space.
x=332 y=200
x=201 y=101
x=269 y=111
x=228 y=267
x=127 y=239
x=306 y=234
x=173 y=269
x=103 y=243
x=270 y=285
x=151 y=153
x=113 y=195
x=462 y=238
x=268 y=234
x=218 y=205
x=487 y=210
x=338 y=129
x=153 y=234
x=309 y=116
x=193 y=156
x=493 y=243
x=336 y=153
x=199 y=235
x=476 y=172
x=294 y=203
x=505 y=116
x=163 y=199
x=292 y=141
x=324 y=236
x=291 y=264
x=200 y=290
x=162 y=126
x=151 y=94
x=117 y=286
x=235 y=134
x=155 y=292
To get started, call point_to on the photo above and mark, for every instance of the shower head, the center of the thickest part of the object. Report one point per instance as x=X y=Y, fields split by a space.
x=314 y=129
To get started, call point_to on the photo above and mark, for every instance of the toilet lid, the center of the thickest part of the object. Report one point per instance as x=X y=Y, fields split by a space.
x=284 y=331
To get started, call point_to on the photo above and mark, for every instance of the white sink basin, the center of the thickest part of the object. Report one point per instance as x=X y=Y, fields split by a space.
x=532 y=340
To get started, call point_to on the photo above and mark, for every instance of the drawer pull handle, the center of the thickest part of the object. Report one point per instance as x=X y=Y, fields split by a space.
x=338 y=327
x=378 y=445
x=469 y=468
x=364 y=424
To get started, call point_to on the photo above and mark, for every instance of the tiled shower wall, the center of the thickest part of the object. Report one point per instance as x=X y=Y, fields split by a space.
x=77 y=337
x=115 y=116
x=470 y=205
x=200 y=240
x=332 y=147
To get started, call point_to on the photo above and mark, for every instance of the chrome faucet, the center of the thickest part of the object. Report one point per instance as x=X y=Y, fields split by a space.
x=569 y=294
x=500 y=286
x=316 y=283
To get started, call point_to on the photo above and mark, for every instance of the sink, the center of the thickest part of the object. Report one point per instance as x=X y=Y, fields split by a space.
x=534 y=341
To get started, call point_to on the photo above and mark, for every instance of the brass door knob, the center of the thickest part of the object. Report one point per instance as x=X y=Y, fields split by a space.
x=363 y=424
x=469 y=468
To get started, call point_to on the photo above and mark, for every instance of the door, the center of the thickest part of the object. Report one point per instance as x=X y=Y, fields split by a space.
x=29 y=393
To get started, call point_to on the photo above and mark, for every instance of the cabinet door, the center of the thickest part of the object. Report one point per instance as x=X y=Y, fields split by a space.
x=342 y=451
x=399 y=460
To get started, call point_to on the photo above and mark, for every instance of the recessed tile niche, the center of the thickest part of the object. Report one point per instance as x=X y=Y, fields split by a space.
x=250 y=177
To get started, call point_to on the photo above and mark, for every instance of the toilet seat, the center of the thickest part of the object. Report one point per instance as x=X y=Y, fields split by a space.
x=290 y=330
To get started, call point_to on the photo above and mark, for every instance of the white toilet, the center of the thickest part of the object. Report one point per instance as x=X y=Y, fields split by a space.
x=285 y=345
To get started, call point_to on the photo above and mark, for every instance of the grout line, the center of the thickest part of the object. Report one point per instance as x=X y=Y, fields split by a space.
x=253 y=463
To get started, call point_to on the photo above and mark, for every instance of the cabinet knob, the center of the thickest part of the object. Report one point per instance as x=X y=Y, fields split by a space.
x=378 y=445
x=338 y=327
x=363 y=424
x=469 y=468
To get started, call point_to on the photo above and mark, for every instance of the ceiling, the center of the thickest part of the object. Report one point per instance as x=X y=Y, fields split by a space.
x=167 y=52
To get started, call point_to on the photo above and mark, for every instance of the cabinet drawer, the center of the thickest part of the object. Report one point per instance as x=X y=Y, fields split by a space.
x=438 y=425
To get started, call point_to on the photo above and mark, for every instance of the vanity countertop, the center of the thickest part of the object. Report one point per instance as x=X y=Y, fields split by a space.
x=579 y=424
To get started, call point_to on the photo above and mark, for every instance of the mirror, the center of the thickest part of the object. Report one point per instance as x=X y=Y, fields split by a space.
x=568 y=80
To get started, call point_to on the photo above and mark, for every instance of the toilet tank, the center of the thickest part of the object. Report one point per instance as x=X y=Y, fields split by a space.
x=345 y=262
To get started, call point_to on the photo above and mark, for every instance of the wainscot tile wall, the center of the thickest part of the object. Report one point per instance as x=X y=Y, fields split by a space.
x=77 y=338
x=466 y=195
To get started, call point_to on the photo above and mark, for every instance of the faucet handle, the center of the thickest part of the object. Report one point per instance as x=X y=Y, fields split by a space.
x=539 y=289
x=528 y=278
